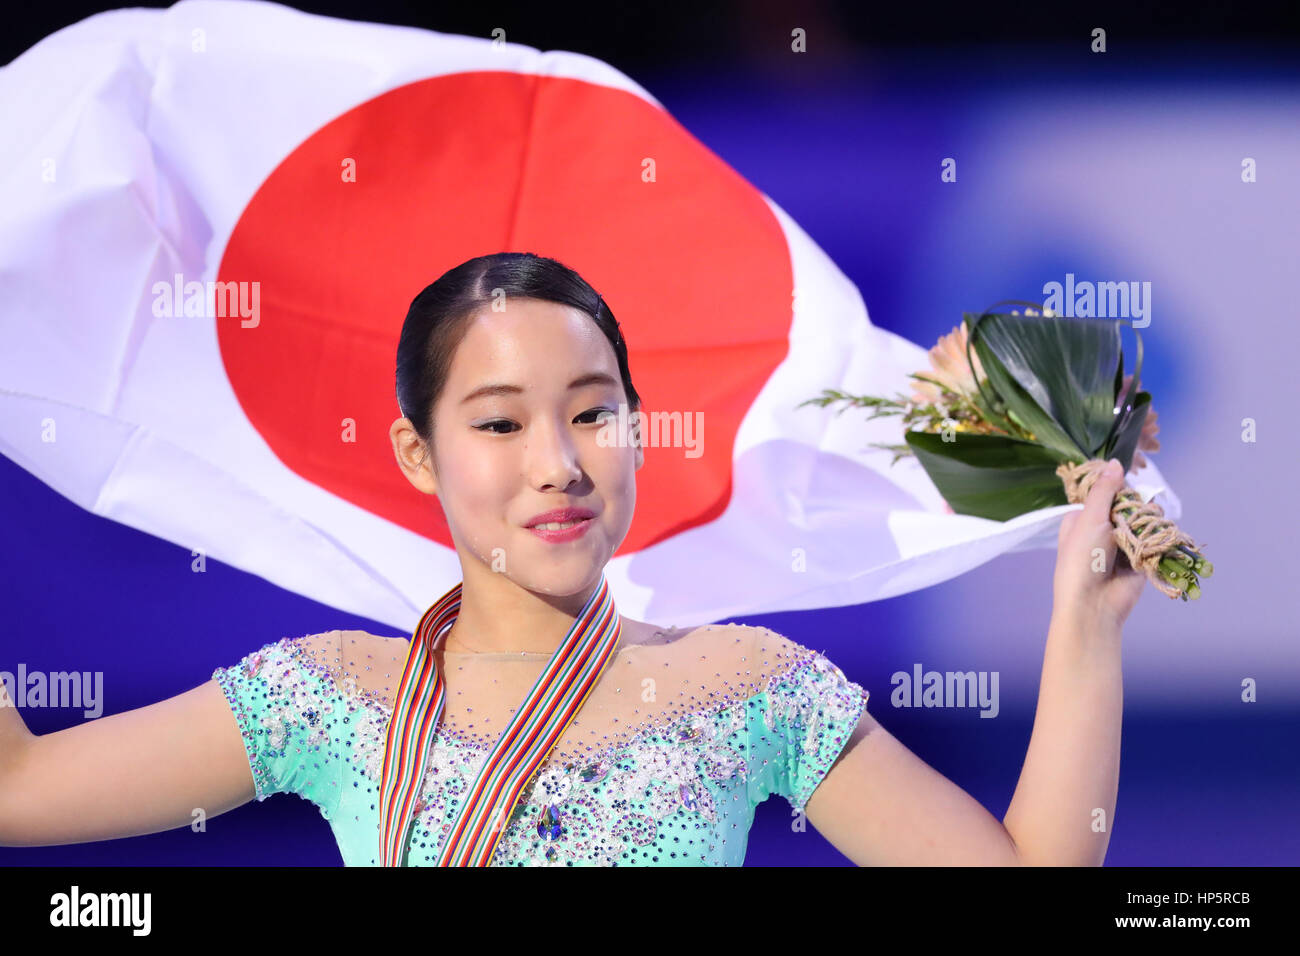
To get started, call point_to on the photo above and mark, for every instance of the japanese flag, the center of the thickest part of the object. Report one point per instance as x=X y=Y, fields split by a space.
x=216 y=216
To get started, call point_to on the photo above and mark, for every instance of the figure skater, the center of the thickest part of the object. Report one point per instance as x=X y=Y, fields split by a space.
x=525 y=722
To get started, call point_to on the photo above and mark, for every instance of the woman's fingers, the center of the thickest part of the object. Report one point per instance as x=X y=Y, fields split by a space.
x=1067 y=527
x=1096 y=511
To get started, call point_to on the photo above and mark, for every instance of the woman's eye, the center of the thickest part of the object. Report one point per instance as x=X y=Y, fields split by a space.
x=503 y=426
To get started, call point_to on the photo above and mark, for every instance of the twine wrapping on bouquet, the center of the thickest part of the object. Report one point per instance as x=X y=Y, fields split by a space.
x=1142 y=531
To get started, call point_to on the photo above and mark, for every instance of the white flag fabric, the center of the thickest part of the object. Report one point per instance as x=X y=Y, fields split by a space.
x=216 y=215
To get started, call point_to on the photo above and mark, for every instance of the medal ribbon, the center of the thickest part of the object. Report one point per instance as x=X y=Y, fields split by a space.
x=555 y=699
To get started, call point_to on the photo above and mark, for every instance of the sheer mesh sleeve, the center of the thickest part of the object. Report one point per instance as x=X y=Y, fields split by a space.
x=800 y=721
x=286 y=714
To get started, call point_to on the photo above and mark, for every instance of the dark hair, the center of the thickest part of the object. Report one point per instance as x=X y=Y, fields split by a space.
x=439 y=318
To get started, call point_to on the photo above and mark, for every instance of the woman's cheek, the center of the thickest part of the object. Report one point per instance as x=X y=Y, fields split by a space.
x=620 y=498
x=478 y=470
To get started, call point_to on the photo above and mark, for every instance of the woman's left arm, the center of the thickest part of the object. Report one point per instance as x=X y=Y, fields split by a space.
x=881 y=805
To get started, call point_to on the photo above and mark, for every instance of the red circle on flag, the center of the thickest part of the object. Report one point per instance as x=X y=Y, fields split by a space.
x=686 y=253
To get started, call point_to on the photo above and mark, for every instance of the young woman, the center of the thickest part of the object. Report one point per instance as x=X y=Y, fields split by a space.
x=526 y=722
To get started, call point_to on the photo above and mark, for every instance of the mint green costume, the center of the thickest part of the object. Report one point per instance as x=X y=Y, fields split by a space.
x=679 y=794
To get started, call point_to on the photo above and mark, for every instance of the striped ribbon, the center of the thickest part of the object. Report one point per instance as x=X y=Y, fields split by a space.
x=523 y=746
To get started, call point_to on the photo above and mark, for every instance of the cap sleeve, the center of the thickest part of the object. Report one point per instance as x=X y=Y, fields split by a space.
x=286 y=711
x=800 y=721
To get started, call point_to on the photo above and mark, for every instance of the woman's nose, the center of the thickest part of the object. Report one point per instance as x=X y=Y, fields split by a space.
x=552 y=458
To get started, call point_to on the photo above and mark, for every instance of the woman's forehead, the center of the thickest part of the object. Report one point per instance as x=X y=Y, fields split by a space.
x=524 y=347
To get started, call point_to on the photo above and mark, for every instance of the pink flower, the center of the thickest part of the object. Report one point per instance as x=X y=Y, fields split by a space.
x=950 y=368
x=925 y=393
x=1147 y=440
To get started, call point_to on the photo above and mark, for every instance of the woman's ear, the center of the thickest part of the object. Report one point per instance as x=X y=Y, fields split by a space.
x=413 y=456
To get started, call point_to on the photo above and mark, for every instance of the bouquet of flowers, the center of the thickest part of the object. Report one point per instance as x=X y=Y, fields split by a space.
x=1021 y=412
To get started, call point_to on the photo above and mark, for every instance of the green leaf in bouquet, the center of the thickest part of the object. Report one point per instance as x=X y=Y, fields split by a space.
x=1126 y=440
x=1018 y=402
x=1066 y=365
x=1127 y=404
x=1119 y=376
x=990 y=476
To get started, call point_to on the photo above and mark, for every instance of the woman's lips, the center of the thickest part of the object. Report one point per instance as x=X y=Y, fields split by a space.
x=560 y=535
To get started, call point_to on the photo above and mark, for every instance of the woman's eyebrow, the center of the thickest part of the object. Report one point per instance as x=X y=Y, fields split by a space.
x=591 y=378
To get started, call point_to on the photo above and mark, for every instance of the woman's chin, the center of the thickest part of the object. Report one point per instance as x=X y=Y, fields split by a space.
x=567 y=576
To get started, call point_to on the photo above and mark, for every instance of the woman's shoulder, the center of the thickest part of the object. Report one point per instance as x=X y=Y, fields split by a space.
x=791 y=681
x=367 y=664
x=336 y=647
x=355 y=662
x=730 y=638
x=752 y=657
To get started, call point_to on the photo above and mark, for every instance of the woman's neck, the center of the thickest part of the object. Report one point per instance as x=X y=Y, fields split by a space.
x=511 y=622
